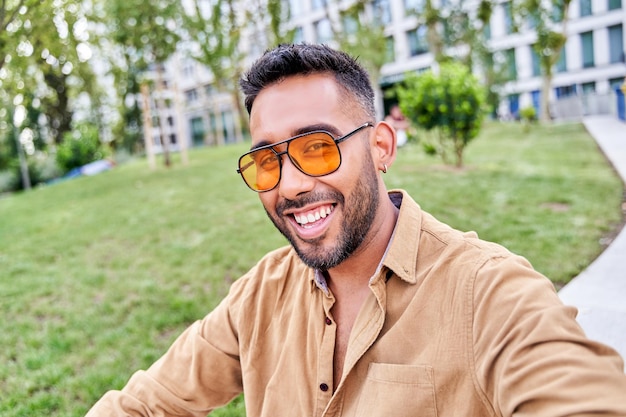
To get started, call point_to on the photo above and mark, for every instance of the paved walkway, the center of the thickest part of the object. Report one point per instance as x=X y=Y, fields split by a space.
x=599 y=291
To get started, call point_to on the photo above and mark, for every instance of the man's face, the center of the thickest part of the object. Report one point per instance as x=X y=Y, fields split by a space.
x=324 y=218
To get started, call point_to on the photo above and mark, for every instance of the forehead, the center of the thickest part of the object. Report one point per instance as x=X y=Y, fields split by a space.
x=285 y=108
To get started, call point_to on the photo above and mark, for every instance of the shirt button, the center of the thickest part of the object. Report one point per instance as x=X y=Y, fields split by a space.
x=324 y=387
x=329 y=321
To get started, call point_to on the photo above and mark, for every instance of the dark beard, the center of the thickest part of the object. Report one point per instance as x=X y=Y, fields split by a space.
x=359 y=211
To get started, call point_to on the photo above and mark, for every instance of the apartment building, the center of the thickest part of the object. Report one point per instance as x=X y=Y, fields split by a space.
x=591 y=66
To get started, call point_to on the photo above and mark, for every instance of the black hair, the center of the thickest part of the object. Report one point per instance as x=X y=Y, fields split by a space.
x=304 y=59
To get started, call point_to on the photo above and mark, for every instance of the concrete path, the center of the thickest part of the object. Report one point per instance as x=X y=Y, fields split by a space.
x=599 y=291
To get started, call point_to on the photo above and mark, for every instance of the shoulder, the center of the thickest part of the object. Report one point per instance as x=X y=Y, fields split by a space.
x=278 y=272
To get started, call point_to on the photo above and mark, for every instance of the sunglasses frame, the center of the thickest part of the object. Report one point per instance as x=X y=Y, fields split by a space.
x=272 y=146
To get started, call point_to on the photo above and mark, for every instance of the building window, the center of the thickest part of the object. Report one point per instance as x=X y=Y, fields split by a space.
x=209 y=90
x=557 y=11
x=317 y=4
x=173 y=139
x=414 y=5
x=188 y=68
x=418 y=44
x=585 y=8
x=191 y=95
x=565 y=91
x=508 y=17
x=514 y=105
x=390 y=49
x=295 y=8
x=487 y=31
x=298 y=35
x=511 y=64
x=323 y=31
x=616 y=44
x=588 y=88
x=586 y=40
x=616 y=83
x=170 y=121
x=536 y=63
x=615 y=4
x=561 y=64
x=197 y=131
x=382 y=11
x=350 y=24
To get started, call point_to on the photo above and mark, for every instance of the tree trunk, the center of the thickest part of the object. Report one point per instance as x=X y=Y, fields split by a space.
x=544 y=106
x=164 y=140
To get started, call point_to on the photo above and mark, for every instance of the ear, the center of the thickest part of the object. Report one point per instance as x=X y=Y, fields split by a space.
x=384 y=147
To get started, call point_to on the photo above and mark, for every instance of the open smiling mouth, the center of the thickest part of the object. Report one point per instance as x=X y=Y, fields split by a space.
x=308 y=219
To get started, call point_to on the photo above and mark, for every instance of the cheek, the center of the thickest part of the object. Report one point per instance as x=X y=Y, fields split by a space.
x=268 y=199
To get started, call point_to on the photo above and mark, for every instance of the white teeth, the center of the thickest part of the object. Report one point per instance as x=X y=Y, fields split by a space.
x=312 y=217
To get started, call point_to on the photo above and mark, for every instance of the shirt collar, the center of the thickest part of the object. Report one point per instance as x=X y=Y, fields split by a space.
x=400 y=254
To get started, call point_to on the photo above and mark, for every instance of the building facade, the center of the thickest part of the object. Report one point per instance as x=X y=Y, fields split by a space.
x=591 y=66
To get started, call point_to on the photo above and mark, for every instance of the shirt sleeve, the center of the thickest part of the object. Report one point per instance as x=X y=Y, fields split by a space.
x=200 y=372
x=531 y=357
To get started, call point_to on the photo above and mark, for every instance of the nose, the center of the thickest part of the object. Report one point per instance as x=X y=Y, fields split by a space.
x=293 y=181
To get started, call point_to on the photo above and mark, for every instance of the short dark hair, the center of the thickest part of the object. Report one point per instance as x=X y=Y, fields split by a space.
x=303 y=59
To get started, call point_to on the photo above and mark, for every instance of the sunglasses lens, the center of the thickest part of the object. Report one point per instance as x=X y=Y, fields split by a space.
x=316 y=153
x=260 y=169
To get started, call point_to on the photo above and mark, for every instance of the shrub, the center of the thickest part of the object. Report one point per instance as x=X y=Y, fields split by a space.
x=9 y=181
x=79 y=147
x=450 y=102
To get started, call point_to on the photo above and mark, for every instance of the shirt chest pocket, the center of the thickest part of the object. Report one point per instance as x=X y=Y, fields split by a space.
x=397 y=391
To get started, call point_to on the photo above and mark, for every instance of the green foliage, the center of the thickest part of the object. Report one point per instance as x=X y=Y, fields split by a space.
x=48 y=68
x=528 y=114
x=9 y=180
x=79 y=148
x=450 y=102
x=217 y=31
x=362 y=35
x=550 y=40
x=144 y=28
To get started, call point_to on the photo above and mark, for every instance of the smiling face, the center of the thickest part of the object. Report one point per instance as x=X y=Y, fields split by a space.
x=324 y=218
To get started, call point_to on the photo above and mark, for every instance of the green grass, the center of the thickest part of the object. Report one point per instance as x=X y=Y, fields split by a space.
x=98 y=275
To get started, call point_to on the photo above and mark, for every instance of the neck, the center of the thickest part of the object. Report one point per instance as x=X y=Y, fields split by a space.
x=357 y=270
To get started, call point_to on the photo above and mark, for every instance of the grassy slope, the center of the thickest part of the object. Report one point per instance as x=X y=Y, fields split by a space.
x=99 y=274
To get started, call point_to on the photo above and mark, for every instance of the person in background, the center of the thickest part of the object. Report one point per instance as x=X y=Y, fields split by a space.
x=375 y=308
x=400 y=123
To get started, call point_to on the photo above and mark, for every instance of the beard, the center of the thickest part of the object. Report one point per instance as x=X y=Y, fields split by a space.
x=359 y=210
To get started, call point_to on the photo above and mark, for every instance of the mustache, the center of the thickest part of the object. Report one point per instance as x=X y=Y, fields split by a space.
x=306 y=199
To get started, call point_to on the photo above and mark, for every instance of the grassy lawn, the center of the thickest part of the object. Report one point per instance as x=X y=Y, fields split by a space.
x=99 y=274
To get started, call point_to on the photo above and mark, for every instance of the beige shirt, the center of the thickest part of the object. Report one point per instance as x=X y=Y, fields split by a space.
x=454 y=326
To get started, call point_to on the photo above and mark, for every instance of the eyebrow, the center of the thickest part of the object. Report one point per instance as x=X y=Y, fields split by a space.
x=300 y=131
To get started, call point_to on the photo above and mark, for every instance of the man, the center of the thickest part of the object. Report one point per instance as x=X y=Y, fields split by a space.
x=376 y=308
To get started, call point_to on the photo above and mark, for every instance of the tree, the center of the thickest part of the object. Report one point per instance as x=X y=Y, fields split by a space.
x=214 y=30
x=45 y=64
x=13 y=14
x=456 y=30
x=51 y=62
x=147 y=33
x=550 y=40
x=358 y=30
x=450 y=102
